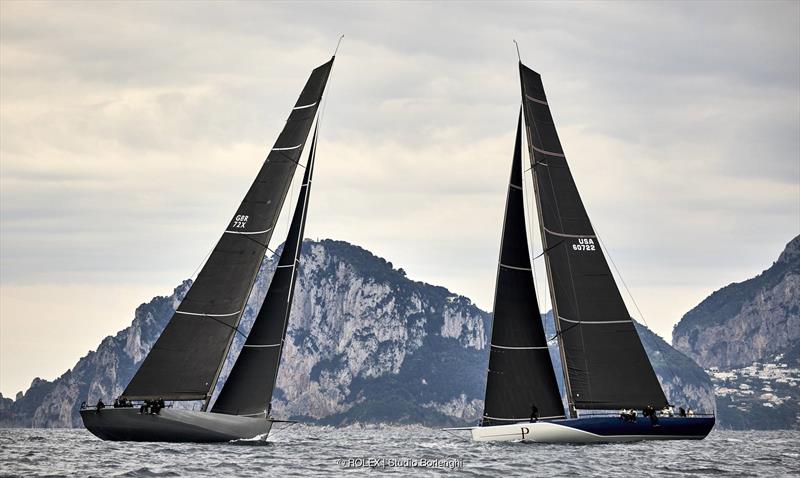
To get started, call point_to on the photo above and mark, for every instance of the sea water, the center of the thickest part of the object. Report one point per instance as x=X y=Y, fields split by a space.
x=378 y=450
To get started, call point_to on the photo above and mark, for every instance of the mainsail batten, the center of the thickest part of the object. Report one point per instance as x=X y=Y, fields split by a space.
x=521 y=377
x=248 y=390
x=186 y=360
x=605 y=363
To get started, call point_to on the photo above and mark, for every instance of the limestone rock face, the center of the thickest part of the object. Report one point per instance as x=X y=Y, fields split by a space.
x=364 y=344
x=747 y=335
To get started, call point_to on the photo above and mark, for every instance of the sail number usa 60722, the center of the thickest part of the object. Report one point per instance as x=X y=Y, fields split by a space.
x=584 y=244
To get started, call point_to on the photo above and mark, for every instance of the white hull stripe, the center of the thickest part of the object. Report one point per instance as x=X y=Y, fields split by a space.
x=262 y=346
x=513 y=267
x=517 y=348
x=207 y=315
x=548 y=153
x=595 y=322
x=304 y=106
x=287 y=149
x=251 y=232
x=578 y=236
x=516 y=187
x=285 y=265
x=536 y=100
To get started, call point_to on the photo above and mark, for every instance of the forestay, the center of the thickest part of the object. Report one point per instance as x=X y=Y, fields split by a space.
x=520 y=374
x=248 y=390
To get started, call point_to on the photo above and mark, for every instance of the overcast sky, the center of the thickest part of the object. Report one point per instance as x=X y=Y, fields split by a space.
x=130 y=131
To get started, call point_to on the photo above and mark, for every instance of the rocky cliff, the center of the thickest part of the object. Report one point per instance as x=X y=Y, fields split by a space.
x=364 y=344
x=747 y=335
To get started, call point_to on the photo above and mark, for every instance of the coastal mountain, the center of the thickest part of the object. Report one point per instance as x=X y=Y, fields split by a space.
x=365 y=344
x=747 y=336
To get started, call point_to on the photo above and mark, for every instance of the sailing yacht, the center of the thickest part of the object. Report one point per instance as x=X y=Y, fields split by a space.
x=186 y=360
x=604 y=363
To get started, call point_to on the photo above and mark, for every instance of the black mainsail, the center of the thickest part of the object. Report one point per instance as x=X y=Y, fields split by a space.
x=520 y=374
x=605 y=362
x=187 y=358
x=248 y=390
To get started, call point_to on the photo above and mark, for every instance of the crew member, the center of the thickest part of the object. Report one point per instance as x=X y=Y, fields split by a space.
x=534 y=413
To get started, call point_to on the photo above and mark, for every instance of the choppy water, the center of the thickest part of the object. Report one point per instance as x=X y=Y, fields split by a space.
x=389 y=450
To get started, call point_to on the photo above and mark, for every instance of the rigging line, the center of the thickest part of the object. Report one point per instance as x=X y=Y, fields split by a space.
x=529 y=218
x=337 y=45
x=235 y=329
x=295 y=161
x=569 y=265
x=460 y=437
x=288 y=425
x=265 y=246
x=517 y=45
x=561 y=332
x=546 y=287
x=636 y=305
x=549 y=249
x=536 y=163
x=203 y=262
x=330 y=88
x=288 y=213
x=199 y=266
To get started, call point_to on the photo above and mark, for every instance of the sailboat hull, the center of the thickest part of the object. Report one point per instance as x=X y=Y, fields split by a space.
x=172 y=425
x=598 y=430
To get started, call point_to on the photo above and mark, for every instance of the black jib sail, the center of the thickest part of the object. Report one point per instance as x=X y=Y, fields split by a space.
x=607 y=367
x=186 y=360
x=248 y=390
x=521 y=374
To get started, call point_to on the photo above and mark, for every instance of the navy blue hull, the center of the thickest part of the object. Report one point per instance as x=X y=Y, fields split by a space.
x=601 y=429
x=687 y=427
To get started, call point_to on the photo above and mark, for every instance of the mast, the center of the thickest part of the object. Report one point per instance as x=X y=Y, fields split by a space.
x=248 y=390
x=520 y=375
x=605 y=364
x=573 y=413
x=186 y=360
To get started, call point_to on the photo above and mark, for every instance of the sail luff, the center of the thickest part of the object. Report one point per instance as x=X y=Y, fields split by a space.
x=567 y=387
x=186 y=359
x=248 y=390
x=606 y=366
x=520 y=378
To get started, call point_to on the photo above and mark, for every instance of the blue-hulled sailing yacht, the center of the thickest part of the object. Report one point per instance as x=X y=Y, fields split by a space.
x=604 y=363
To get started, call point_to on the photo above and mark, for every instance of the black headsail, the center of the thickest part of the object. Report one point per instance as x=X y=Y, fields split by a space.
x=248 y=390
x=186 y=360
x=520 y=372
x=607 y=367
